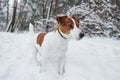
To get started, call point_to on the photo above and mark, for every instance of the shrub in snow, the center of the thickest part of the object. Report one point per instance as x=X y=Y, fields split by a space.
x=98 y=18
x=44 y=25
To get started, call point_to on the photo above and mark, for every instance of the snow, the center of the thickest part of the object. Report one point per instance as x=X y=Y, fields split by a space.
x=87 y=59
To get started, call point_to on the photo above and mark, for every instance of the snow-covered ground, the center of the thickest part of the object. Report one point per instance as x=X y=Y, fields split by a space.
x=87 y=59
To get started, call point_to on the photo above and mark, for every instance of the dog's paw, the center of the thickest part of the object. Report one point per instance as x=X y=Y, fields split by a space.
x=61 y=72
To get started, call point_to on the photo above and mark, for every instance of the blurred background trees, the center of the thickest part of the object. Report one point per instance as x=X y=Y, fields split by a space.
x=97 y=17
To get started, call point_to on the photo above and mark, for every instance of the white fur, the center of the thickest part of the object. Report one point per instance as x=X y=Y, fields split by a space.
x=74 y=33
x=54 y=50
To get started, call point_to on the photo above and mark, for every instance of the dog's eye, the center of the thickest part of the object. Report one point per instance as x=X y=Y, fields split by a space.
x=70 y=26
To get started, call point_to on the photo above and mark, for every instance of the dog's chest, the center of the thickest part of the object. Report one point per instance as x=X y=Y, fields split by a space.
x=53 y=45
x=61 y=47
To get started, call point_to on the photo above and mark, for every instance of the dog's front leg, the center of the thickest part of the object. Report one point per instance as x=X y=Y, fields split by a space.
x=61 y=66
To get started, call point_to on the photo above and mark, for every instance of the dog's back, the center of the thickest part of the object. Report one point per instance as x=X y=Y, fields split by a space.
x=38 y=37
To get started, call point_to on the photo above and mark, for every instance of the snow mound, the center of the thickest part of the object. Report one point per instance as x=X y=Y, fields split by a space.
x=87 y=59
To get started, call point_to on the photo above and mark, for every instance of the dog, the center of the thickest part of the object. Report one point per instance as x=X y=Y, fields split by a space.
x=53 y=45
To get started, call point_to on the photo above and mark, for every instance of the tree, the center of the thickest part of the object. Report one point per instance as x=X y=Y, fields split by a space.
x=11 y=26
x=7 y=3
x=3 y=14
x=0 y=4
x=20 y=16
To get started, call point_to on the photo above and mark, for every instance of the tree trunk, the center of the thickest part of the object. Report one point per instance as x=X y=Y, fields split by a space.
x=7 y=12
x=49 y=9
x=16 y=26
x=43 y=9
x=0 y=4
x=55 y=10
x=11 y=26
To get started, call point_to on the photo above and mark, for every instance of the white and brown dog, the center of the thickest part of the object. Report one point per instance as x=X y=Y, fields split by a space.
x=53 y=45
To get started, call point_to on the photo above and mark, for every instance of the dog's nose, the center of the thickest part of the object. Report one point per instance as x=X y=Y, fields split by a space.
x=81 y=35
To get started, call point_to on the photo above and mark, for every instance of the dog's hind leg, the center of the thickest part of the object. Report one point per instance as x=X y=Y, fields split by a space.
x=38 y=48
x=37 y=55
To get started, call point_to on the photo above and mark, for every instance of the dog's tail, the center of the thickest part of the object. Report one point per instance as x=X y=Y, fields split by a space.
x=31 y=28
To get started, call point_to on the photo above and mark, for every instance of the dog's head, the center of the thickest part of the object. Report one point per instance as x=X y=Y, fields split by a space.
x=70 y=27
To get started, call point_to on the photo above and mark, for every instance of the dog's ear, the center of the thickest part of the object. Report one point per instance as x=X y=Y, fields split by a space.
x=76 y=20
x=61 y=19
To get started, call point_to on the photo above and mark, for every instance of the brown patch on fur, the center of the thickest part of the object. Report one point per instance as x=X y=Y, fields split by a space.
x=40 y=38
x=65 y=24
x=61 y=19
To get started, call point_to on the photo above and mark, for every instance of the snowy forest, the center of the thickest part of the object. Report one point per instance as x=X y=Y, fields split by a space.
x=97 y=17
x=94 y=57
